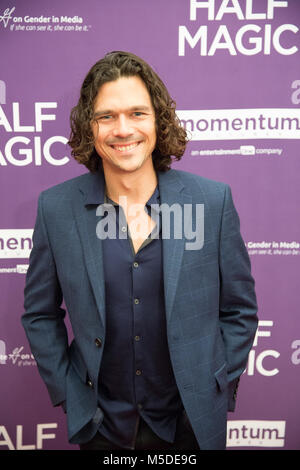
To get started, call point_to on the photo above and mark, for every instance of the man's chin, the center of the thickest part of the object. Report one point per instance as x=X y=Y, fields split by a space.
x=124 y=166
x=129 y=167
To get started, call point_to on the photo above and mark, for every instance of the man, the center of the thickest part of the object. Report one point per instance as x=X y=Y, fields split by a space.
x=162 y=325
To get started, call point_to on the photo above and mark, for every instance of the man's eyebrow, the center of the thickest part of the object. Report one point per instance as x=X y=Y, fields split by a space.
x=104 y=112
x=101 y=113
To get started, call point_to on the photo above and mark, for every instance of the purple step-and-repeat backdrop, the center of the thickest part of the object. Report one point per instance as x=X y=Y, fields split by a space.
x=233 y=67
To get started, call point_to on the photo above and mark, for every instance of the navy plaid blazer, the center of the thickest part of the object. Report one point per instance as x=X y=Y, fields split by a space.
x=210 y=301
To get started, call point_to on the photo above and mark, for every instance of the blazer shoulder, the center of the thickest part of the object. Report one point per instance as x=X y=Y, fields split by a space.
x=188 y=176
x=206 y=186
x=66 y=188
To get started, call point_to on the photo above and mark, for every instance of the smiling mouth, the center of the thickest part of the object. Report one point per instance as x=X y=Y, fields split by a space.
x=125 y=148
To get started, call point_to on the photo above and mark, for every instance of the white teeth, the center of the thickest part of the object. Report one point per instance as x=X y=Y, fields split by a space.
x=123 y=148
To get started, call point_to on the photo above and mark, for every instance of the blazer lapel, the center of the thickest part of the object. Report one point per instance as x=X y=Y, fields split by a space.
x=172 y=192
x=92 y=195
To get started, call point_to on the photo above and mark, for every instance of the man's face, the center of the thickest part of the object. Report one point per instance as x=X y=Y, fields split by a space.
x=124 y=125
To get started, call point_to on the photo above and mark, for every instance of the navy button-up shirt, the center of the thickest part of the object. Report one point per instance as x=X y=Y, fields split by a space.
x=136 y=377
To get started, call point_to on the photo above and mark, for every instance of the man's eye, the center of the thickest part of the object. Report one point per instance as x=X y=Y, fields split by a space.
x=138 y=113
x=104 y=118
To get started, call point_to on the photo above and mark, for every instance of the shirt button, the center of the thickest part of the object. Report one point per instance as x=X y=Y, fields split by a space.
x=137 y=338
x=123 y=229
x=135 y=264
x=136 y=301
x=98 y=342
x=138 y=372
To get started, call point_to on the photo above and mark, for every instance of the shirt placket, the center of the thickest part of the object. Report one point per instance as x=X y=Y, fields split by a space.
x=137 y=310
x=137 y=304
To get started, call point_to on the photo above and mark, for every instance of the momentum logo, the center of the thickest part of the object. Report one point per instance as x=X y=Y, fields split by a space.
x=236 y=124
x=255 y=433
x=15 y=243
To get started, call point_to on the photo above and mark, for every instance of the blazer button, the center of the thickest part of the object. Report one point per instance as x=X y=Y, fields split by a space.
x=98 y=342
x=90 y=383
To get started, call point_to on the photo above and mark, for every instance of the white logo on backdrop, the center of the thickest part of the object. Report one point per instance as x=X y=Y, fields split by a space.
x=295 y=358
x=273 y=248
x=265 y=38
x=32 y=151
x=241 y=150
x=237 y=124
x=15 y=243
x=18 y=269
x=7 y=439
x=7 y=16
x=254 y=433
x=2 y=92
x=17 y=357
x=256 y=359
x=16 y=354
x=43 y=23
x=3 y=356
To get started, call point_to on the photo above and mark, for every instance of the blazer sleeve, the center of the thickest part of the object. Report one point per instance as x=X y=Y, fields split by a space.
x=43 y=319
x=238 y=306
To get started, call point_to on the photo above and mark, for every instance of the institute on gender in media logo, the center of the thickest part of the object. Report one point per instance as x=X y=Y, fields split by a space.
x=16 y=357
x=7 y=15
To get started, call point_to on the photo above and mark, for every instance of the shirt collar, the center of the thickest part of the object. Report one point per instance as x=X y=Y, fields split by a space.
x=154 y=198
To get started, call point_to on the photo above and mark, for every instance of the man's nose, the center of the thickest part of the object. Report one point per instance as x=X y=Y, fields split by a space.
x=122 y=127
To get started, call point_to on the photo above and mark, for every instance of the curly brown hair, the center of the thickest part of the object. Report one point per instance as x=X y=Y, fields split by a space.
x=171 y=136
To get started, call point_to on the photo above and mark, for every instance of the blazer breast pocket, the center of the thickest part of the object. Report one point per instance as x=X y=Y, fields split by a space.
x=196 y=258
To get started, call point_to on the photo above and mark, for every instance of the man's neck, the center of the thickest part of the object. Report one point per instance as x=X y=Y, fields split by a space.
x=137 y=186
